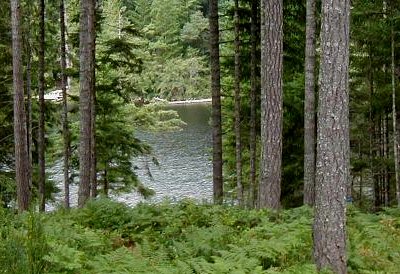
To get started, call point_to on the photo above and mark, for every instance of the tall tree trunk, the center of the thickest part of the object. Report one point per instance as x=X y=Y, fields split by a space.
x=395 y=137
x=41 y=141
x=20 y=132
x=66 y=138
x=309 y=107
x=93 y=173
x=386 y=154
x=371 y=123
x=216 y=103
x=271 y=103
x=253 y=102
x=29 y=100
x=333 y=146
x=86 y=45
x=238 y=137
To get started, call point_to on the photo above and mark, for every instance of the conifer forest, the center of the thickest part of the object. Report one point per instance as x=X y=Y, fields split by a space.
x=199 y=136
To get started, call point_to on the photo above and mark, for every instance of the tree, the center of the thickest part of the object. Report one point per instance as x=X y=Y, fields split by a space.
x=20 y=132
x=41 y=141
x=332 y=169
x=395 y=133
x=65 y=129
x=86 y=78
x=239 y=183
x=253 y=101
x=309 y=107
x=216 y=103
x=271 y=103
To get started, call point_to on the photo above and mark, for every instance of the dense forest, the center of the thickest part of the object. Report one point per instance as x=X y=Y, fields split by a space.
x=304 y=122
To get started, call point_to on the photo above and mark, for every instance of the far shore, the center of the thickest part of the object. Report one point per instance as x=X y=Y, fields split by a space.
x=186 y=102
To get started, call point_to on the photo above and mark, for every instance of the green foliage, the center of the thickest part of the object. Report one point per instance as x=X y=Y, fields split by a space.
x=109 y=237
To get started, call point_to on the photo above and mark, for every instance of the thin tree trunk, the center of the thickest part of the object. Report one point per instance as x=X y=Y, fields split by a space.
x=93 y=173
x=372 y=124
x=216 y=103
x=65 y=133
x=238 y=137
x=41 y=141
x=333 y=145
x=86 y=45
x=20 y=132
x=253 y=102
x=386 y=153
x=29 y=102
x=395 y=137
x=106 y=186
x=309 y=107
x=271 y=103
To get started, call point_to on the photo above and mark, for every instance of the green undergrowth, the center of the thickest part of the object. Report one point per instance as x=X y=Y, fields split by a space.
x=109 y=237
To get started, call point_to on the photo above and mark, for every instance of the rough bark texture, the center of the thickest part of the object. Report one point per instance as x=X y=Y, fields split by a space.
x=238 y=137
x=66 y=139
x=309 y=107
x=29 y=104
x=93 y=172
x=86 y=45
x=20 y=132
x=41 y=141
x=216 y=103
x=253 y=102
x=395 y=137
x=333 y=147
x=271 y=103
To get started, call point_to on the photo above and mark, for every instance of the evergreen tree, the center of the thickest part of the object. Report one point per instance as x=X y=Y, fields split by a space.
x=41 y=132
x=333 y=159
x=20 y=132
x=271 y=103
x=309 y=107
x=86 y=56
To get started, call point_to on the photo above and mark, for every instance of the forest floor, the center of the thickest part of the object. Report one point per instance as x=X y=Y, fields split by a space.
x=109 y=237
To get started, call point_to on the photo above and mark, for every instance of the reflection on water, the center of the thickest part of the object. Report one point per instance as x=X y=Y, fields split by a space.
x=185 y=168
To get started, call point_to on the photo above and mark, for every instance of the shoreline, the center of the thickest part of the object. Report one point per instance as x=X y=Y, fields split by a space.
x=184 y=102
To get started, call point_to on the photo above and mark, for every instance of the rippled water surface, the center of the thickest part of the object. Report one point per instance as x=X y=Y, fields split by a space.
x=185 y=168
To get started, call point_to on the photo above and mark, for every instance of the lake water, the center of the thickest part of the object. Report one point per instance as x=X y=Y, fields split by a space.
x=185 y=167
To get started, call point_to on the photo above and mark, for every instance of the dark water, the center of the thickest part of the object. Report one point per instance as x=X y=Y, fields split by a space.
x=185 y=168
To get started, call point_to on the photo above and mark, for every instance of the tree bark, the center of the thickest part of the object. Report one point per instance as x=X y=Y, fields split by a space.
x=253 y=102
x=333 y=159
x=93 y=172
x=395 y=137
x=41 y=141
x=86 y=45
x=309 y=107
x=20 y=132
x=238 y=137
x=271 y=103
x=29 y=100
x=216 y=103
x=65 y=133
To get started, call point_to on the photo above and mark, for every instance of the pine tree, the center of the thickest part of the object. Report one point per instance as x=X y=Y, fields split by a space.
x=238 y=138
x=309 y=107
x=216 y=103
x=333 y=146
x=271 y=103
x=20 y=132
x=41 y=132
x=86 y=56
